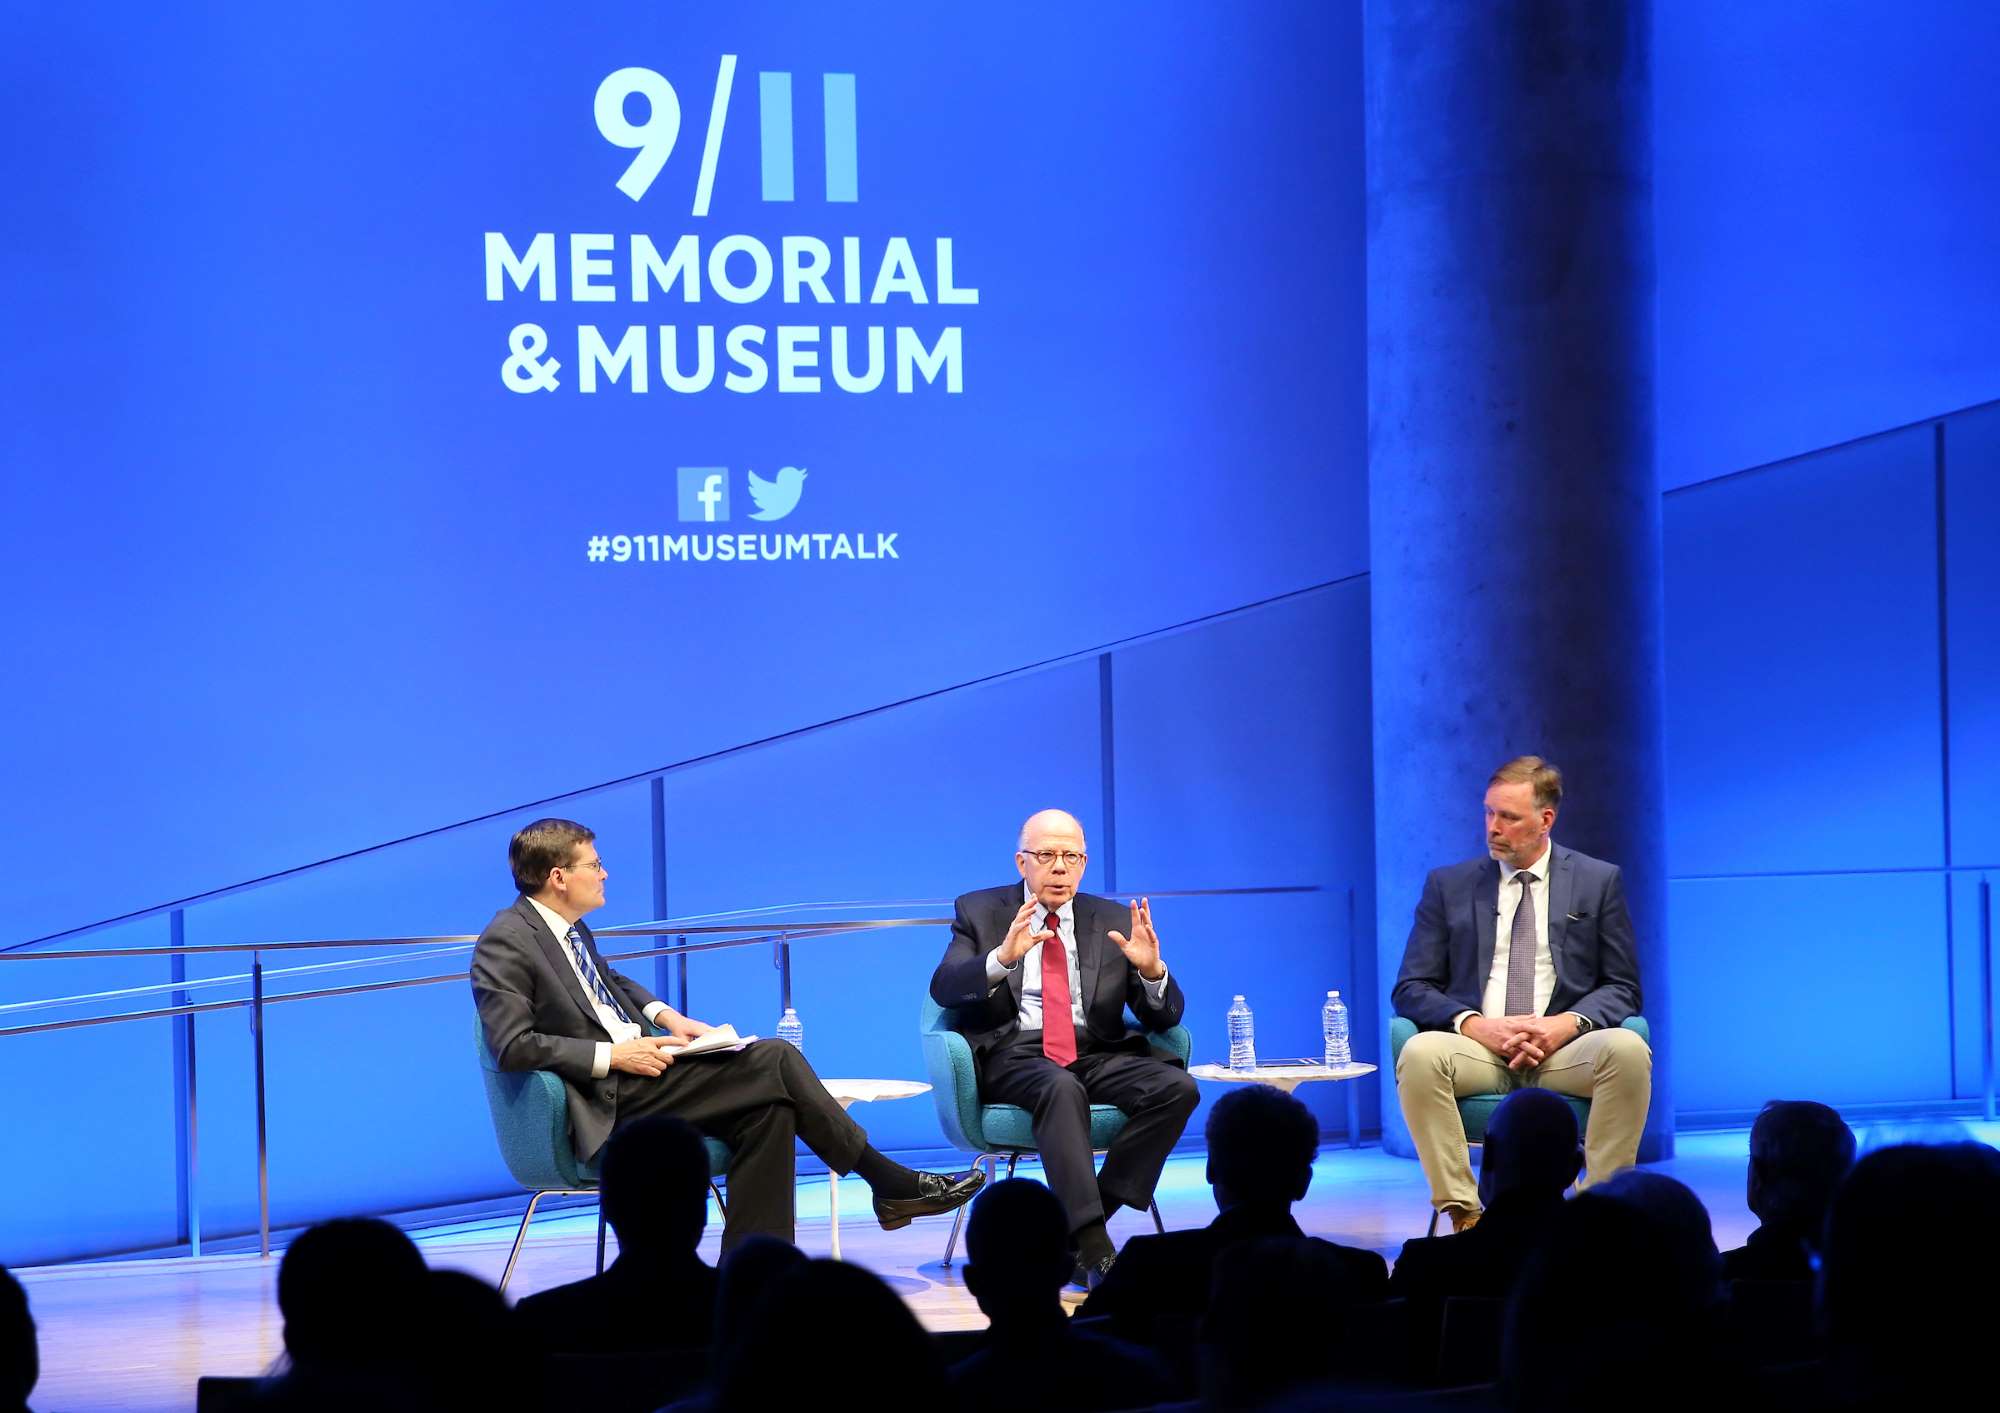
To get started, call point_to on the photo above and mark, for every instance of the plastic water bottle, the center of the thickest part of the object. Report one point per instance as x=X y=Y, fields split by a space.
x=791 y=1029
x=1242 y=1037
x=1333 y=1025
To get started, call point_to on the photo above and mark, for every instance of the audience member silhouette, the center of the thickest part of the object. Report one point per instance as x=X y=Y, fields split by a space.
x=749 y=1272
x=832 y=1333
x=467 y=1356
x=1272 y=1335
x=1695 y=1266
x=1017 y=1263
x=1799 y=1152
x=658 y=1295
x=20 y=1364
x=1261 y=1144
x=351 y=1294
x=1906 y=1284
x=1532 y=1155
x=1603 y=1315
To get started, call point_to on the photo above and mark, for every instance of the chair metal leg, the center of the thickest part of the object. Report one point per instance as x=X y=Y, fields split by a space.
x=1158 y=1225
x=1013 y=1161
x=958 y=1217
x=600 y=1237
x=520 y=1237
x=1432 y=1229
x=720 y=1205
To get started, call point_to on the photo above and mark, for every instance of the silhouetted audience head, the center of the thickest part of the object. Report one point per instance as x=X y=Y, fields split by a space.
x=824 y=1316
x=1017 y=1252
x=1261 y=1145
x=1906 y=1278
x=1697 y=1265
x=654 y=1186
x=1799 y=1152
x=748 y=1274
x=1599 y=1314
x=468 y=1349
x=20 y=1365
x=1531 y=1147
x=1277 y=1308
x=348 y=1290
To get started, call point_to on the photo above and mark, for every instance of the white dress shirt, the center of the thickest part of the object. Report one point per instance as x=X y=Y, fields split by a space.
x=1063 y=923
x=1493 y=1004
x=618 y=1029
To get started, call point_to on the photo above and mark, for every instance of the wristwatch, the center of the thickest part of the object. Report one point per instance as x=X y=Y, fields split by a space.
x=1584 y=1024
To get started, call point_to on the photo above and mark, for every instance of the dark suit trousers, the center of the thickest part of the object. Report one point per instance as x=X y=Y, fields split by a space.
x=757 y=1101
x=1156 y=1098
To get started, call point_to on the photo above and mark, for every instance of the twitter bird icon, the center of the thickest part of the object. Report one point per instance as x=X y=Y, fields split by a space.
x=779 y=498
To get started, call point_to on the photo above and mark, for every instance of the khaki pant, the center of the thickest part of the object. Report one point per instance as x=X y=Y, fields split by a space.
x=1613 y=1068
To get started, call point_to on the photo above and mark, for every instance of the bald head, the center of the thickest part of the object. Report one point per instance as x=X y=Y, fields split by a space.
x=1045 y=821
x=1050 y=855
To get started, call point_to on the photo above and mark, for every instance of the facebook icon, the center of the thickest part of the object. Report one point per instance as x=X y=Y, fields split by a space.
x=704 y=492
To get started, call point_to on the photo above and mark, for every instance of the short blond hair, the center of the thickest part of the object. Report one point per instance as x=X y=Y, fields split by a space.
x=1533 y=771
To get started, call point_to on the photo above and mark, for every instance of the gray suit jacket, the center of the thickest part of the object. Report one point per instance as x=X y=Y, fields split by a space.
x=1450 y=951
x=537 y=1017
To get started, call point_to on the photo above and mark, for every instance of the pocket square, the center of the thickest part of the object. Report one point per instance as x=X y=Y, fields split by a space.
x=1576 y=917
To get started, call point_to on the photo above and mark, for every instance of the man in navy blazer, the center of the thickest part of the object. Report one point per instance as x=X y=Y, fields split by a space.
x=1041 y=976
x=1519 y=970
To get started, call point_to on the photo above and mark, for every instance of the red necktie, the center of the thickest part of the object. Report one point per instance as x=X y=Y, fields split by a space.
x=1058 y=1026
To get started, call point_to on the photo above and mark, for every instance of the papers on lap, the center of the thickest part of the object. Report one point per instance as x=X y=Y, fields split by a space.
x=723 y=1037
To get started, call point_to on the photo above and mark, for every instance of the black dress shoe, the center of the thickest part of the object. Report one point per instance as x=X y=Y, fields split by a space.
x=1089 y=1275
x=936 y=1192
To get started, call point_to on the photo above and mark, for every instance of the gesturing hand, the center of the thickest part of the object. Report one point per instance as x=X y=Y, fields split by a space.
x=1022 y=935
x=1142 y=948
x=648 y=1055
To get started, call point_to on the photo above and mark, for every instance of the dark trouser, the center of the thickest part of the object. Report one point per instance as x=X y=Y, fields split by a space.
x=756 y=1101
x=1155 y=1096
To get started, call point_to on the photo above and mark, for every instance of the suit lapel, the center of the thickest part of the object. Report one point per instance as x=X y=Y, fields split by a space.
x=1089 y=954
x=558 y=959
x=1485 y=909
x=1562 y=891
x=1003 y=916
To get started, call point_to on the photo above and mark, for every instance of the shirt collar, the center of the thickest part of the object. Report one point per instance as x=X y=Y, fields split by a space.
x=1538 y=870
x=553 y=918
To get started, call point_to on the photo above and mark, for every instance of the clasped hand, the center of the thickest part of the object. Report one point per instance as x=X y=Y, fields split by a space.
x=1523 y=1041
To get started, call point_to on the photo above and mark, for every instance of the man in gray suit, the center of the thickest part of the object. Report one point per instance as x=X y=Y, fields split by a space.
x=1519 y=970
x=548 y=1001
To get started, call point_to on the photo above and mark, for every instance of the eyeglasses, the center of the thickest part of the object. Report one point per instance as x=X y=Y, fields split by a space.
x=1045 y=857
x=597 y=864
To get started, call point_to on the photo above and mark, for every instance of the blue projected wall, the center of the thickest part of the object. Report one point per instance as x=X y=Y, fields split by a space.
x=1830 y=749
x=1825 y=193
x=431 y=412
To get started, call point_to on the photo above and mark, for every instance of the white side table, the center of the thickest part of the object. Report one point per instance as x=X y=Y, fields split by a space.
x=1290 y=1077
x=847 y=1093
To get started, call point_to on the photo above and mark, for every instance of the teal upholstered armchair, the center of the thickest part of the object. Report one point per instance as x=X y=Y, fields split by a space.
x=531 y=1121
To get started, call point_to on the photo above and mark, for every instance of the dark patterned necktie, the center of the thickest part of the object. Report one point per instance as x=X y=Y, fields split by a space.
x=1521 y=951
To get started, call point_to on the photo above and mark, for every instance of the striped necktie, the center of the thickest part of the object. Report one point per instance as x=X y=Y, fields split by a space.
x=591 y=979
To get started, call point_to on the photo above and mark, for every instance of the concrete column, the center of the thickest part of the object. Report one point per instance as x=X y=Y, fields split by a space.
x=1514 y=509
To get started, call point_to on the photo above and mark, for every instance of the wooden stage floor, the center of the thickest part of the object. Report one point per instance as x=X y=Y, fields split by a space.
x=134 y=1335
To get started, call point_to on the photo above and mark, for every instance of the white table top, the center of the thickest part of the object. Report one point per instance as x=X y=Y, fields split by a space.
x=1275 y=1074
x=862 y=1091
